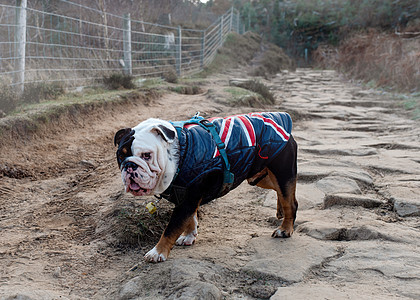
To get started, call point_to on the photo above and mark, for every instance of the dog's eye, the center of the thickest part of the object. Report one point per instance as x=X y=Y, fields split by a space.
x=146 y=155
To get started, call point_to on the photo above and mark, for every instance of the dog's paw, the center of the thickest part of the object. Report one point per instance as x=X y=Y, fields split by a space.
x=280 y=233
x=186 y=240
x=154 y=256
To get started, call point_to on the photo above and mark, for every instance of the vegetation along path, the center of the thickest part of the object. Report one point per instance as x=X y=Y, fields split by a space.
x=67 y=229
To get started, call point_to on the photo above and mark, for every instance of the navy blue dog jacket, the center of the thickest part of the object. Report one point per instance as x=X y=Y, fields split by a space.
x=251 y=141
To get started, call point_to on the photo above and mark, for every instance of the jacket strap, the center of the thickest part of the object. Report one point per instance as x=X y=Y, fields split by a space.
x=228 y=177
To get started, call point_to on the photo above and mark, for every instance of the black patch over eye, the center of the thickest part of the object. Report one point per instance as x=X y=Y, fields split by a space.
x=146 y=155
x=124 y=149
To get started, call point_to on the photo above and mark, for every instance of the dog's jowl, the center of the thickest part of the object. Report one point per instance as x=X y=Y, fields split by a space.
x=192 y=162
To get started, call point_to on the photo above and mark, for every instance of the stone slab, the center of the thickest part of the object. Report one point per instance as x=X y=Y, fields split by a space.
x=406 y=207
x=352 y=200
x=305 y=291
x=394 y=267
x=298 y=255
x=338 y=184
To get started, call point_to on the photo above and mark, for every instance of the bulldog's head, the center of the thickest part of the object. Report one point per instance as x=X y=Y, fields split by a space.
x=147 y=156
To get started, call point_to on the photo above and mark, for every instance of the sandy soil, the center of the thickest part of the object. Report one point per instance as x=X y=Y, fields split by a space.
x=357 y=229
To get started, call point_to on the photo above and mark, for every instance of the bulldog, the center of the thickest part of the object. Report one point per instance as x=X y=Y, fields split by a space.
x=193 y=162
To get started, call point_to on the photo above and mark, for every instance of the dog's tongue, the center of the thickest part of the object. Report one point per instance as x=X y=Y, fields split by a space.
x=134 y=186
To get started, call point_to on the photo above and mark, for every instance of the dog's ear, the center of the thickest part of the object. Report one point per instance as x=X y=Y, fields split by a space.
x=120 y=134
x=166 y=132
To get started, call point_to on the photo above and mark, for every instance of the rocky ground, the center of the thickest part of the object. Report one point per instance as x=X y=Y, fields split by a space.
x=357 y=228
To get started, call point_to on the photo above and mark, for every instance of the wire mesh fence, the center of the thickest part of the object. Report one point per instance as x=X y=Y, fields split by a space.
x=78 y=47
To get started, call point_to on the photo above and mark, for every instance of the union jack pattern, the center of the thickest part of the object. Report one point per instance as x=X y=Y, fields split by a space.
x=246 y=126
x=251 y=142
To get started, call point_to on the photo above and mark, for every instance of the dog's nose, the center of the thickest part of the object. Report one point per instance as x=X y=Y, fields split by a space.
x=131 y=165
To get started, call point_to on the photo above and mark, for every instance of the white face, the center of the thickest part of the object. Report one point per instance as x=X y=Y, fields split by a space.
x=150 y=169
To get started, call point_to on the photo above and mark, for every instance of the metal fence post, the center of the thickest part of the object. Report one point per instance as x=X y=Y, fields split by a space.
x=20 y=36
x=128 y=68
x=203 y=46
x=231 y=19
x=179 y=52
x=221 y=31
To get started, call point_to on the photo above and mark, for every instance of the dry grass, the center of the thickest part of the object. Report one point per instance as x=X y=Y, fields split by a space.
x=384 y=60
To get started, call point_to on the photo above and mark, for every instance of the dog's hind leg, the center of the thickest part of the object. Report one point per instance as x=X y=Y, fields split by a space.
x=190 y=233
x=286 y=203
x=283 y=174
x=286 y=207
x=280 y=175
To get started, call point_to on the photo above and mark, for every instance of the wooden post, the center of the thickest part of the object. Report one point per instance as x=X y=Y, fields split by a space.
x=237 y=22
x=179 y=52
x=20 y=36
x=105 y=22
x=128 y=68
x=203 y=47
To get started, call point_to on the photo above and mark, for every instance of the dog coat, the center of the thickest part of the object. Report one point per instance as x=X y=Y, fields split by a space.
x=251 y=142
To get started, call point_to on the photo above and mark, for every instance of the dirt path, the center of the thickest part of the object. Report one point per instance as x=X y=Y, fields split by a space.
x=357 y=231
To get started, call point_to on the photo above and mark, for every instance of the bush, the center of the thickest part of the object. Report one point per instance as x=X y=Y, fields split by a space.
x=187 y=90
x=8 y=99
x=33 y=93
x=118 y=81
x=36 y=92
x=170 y=76
x=260 y=93
x=259 y=88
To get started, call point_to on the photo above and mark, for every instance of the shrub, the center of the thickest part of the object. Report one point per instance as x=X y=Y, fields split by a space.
x=33 y=93
x=170 y=76
x=187 y=90
x=36 y=92
x=118 y=81
x=8 y=99
x=256 y=87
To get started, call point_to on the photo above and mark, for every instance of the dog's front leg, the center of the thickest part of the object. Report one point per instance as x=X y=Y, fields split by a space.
x=189 y=235
x=178 y=223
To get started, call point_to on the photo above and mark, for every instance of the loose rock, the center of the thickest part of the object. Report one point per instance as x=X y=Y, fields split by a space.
x=407 y=207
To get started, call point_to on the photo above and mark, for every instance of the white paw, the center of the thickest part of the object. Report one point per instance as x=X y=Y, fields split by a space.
x=154 y=256
x=279 y=233
x=186 y=240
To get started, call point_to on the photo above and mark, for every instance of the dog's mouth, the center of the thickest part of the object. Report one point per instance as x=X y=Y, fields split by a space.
x=134 y=188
